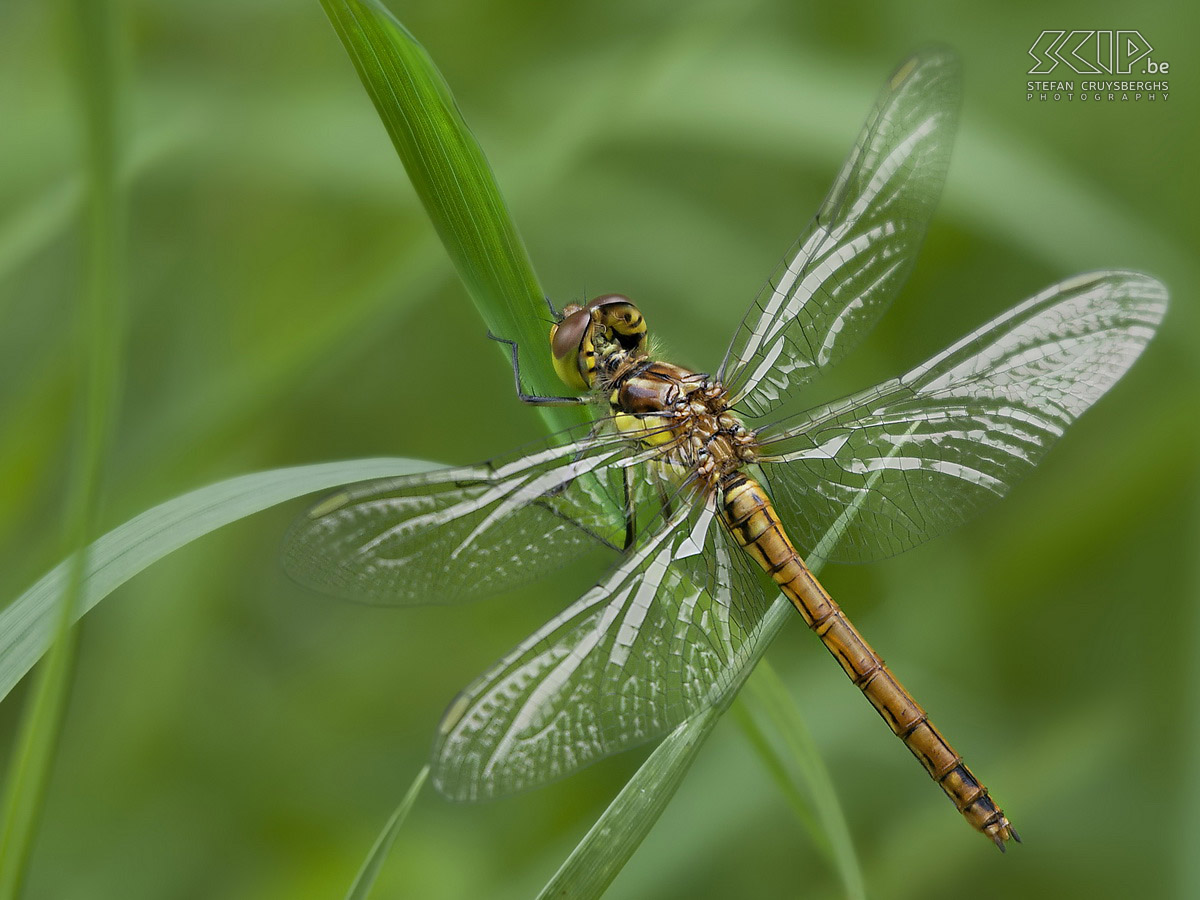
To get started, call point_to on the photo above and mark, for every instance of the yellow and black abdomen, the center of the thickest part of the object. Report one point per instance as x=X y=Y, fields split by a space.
x=748 y=514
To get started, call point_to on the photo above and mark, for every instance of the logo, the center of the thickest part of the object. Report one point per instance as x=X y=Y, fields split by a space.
x=1096 y=53
x=1093 y=53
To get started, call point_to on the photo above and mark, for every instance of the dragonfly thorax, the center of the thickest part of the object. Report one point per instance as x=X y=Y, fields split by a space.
x=686 y=415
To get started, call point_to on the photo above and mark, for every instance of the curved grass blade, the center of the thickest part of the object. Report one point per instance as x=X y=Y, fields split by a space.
x=26 y=625
x=365 y=879
x=456 y=186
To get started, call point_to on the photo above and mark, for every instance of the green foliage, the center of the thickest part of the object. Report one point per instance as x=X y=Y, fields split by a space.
x=26 y=624
x=383 y=844
x=455 y=184
x=92 y=55
x=288 y=302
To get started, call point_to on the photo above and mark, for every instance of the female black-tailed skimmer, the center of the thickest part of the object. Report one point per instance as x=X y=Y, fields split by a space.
x=684 y=475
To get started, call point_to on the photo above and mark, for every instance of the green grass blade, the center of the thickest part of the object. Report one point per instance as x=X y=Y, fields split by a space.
x=768 y=698
x=365 y=880
x=25 y=626
x=455 y=183
x=93 y=49
x=777 y=767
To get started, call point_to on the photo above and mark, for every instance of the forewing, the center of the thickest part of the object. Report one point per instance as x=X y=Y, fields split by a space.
x=657 y=639
x=920 y=454
x=842 y=274
x=458 y=534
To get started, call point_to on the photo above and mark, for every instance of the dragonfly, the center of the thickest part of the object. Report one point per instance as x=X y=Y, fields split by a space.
x=697 y=486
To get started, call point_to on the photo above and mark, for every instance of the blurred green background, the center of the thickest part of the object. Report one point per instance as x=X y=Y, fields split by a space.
x=231 y=735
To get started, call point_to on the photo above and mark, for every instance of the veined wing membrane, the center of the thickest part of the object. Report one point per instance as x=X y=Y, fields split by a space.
x=660 y=637
x=843 y=273
x=458 y=534
x=922 y=453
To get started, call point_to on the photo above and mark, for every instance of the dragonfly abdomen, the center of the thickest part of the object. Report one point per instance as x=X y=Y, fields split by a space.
x=748 y=514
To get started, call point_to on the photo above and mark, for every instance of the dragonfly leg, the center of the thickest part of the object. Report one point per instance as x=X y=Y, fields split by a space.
x=630 y=510
x=665 y=499
x=533 y=399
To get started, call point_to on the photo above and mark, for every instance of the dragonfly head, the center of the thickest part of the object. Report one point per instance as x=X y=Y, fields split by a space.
x=592 y=340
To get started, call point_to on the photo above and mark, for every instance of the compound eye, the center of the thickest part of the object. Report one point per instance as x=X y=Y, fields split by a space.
x=569 y=333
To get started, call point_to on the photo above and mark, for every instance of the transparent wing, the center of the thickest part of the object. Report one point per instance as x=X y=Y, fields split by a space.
x=458 y=534
x=662 y=635
x=920 y=454
x=844 y=271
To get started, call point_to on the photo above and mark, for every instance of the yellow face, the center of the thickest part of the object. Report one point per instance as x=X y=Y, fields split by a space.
x=588 y=338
